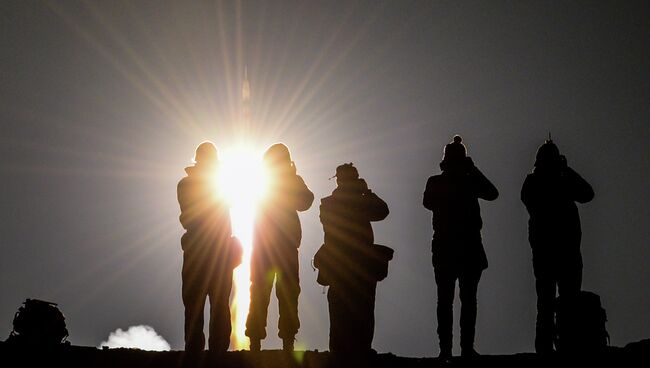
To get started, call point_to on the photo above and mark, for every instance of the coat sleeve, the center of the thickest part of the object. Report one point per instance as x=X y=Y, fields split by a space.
x=325 y=216
x=483 y=186
x=580 y=190
x=185 y=216
x=429 y=195
x=302 y=196
x=324 y=213
x=374 y=207
x=527 y=195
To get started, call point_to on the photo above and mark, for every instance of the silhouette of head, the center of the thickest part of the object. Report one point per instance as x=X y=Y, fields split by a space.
x=348 y=180
x=454 y=153
x=346 y=173
x=277 y=157
x=548 y=155
x=206 y=154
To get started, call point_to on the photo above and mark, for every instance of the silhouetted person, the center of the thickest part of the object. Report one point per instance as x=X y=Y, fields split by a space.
x=349 y=239
x=457 y=248
x=550 y=193
x=207 y=258
x=276 y=240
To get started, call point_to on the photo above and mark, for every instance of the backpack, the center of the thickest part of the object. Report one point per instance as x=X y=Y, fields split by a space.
x=39 y=323
x=580 y=325
x=323 y=262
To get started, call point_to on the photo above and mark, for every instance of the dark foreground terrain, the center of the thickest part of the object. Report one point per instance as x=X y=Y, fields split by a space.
x=635 y=354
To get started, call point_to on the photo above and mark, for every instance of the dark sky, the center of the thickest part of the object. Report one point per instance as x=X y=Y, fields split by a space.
x=102 y=104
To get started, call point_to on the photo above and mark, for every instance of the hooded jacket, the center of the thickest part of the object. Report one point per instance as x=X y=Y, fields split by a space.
x=204 y=216
x=277 y=223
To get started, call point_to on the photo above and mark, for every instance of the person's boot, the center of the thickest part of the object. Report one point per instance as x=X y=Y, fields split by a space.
x=544 y=350
x=467 y=345
x=256 y=345
x=469 y=352
x=287 y=344
x=544 y=345
x=445 y=353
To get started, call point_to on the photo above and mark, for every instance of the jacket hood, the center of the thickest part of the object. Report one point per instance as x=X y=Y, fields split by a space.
x=196 y=169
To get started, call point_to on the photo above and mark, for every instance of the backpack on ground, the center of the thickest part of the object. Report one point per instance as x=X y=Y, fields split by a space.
x=38 y=323
x=580 y=324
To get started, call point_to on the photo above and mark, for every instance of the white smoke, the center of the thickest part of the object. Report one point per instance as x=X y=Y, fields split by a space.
x=140 y=337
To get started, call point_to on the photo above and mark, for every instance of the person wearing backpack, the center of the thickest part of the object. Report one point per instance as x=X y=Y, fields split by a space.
x=276 y=239
x=457 y=248
x=351 y=262
x=550 y=194
x=209 y=253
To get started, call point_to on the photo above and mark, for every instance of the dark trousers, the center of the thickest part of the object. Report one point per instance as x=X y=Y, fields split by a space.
x=352 y=316
x=267 y=266
x=468 y=284
x=204 y=277
x=561 y=274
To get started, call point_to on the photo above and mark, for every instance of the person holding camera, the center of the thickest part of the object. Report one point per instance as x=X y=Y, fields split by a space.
x=276 y=239
x=209 y=253
x=457 y=248
x=349 y=261
x=549 y=194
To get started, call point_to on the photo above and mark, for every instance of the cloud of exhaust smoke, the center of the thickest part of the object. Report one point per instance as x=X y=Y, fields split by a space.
x=140 y=337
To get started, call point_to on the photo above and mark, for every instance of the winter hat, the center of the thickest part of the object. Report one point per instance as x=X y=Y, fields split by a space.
x=455 y=150
x=548 y=153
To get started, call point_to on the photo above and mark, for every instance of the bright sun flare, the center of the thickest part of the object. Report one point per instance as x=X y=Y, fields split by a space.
x=242 y=182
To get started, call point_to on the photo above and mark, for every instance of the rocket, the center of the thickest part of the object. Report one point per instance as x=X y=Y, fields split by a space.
x=245 y=98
